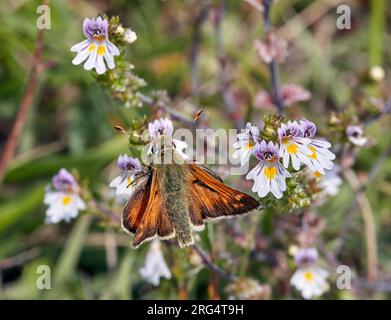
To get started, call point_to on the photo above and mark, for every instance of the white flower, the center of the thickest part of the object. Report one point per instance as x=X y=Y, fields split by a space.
x=64 y=203
x=96 y=49
x=124 y=183
x=269 y=175
x=246 y=142
x=62 y=206
x=320 y=157
x=311 y=281
x=309 y=278
x=292 y=145
x=356 y=136
x=329 y=182
x=154 y=265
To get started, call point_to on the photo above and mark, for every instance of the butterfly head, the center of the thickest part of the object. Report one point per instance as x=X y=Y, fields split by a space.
x=162 y=149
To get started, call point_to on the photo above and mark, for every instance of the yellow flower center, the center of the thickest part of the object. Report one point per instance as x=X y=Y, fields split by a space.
x=314 y=155
x=248 y=146
x=317 y=174
x=270 y=172
x=91 y=47
x=292 y=148
x=101 y=50
x=66 y=200
x=308 y=276
x=129 y=182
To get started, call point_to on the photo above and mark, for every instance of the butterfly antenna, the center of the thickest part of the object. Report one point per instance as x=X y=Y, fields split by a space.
x=129 y=133
x=195 y=118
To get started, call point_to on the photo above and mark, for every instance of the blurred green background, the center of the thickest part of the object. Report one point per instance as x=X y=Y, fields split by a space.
x=70 y=124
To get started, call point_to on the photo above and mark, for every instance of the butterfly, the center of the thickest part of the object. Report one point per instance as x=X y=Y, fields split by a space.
x=174 y=197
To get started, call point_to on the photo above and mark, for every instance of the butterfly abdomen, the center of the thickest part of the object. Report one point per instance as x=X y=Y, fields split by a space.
x=176 y=205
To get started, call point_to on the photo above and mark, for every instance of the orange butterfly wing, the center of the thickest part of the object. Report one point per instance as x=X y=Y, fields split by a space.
x=145 y=215
x=212 y=199
x=135 y=207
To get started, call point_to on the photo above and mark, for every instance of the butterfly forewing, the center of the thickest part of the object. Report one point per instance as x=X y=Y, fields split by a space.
x=146 y=215
x=211 y=199
x=135 y=207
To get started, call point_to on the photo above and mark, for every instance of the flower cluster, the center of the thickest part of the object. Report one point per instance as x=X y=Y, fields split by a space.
x=64 y=201
x=296 y=145
x=309 y=278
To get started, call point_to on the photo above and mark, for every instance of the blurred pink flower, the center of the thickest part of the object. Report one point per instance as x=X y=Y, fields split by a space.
x=271 y=48
x=290 y=93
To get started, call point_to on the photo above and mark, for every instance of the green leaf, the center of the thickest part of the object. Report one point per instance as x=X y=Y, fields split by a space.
x=66 y=265
x=14 y=210
x=121 y=287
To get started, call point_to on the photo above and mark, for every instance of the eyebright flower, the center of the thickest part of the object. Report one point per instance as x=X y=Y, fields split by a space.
x=246 y=142
x=269 y=175
x=309 y=278
x=320 y=157
x=64 y=203
x=155 y=266
x=97 y=47
x=292 y=145
x=165 y=127
x=124 y=182
x=356 y=136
